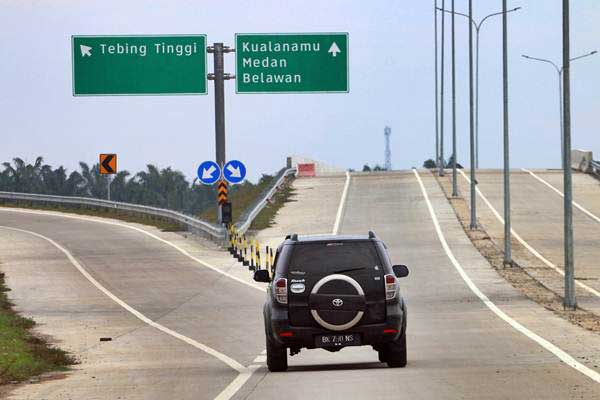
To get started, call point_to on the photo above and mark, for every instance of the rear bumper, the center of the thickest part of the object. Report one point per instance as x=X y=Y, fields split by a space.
x=304 y=336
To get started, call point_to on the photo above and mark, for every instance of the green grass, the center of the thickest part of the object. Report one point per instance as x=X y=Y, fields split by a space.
x=23 y=355
x=266 y=217
x=160 y=223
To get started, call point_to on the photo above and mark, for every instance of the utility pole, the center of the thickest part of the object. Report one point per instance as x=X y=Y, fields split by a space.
x=219 y=76
x=437 y=113
x=569 y=299
x=473 y=224
x=442 y=99
x=507 y=229
x=454 y=182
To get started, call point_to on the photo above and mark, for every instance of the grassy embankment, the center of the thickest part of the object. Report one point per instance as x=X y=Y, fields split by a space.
x=245 y=196
x=22 y=354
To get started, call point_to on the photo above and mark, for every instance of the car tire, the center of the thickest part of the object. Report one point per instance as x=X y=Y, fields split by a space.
x=276 y=357
x=382 y=354
x=396 y=353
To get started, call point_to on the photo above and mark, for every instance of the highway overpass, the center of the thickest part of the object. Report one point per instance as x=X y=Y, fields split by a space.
x=185 y=320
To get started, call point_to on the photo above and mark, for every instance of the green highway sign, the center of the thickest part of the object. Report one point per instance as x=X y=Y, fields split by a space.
x=291 y=62
x=139 y=65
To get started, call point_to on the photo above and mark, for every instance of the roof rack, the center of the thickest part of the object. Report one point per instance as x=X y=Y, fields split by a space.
x=292 y=236
x=372 y=235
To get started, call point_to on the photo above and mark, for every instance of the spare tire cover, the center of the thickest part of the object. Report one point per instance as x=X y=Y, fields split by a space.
x=337 y=302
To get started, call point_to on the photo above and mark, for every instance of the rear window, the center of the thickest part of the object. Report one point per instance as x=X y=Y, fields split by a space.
x=333 y=257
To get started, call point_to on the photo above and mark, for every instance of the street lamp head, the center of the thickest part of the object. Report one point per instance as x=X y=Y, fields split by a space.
x=594 y=52
x=516 y=8
x=525 y=56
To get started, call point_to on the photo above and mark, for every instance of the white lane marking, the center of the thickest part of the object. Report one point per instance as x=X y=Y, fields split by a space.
x=340 y=211
x=260 y=359
x=527 y=245
x=561 y=354
x=227 y=360
x=581 y=208
x=107 y=222
x=244 y=373
x=237 y=383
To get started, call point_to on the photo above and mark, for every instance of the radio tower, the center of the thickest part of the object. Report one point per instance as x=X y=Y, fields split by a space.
x=388 y=151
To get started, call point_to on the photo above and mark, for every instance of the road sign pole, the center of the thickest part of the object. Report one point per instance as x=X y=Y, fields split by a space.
x=219 y=76
x=108 y=187
x=569 y=300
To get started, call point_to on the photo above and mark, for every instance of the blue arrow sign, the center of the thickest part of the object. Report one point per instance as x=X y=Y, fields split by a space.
x=209 y=172
x=234 y=171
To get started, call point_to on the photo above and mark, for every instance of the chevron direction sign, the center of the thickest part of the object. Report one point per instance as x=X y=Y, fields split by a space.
x=222 y=192
x=108 y=164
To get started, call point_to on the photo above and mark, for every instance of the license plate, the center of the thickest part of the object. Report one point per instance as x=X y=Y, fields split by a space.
x=342 y=339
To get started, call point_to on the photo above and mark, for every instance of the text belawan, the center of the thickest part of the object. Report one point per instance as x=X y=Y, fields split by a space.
x=180 y=50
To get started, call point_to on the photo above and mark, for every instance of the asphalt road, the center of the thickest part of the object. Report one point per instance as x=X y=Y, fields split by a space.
x=458 y=347
x=537 y=217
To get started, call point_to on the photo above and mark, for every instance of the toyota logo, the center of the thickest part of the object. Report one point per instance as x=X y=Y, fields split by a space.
x=337 y=302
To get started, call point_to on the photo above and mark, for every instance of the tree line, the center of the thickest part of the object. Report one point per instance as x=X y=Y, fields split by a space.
x=158 y=187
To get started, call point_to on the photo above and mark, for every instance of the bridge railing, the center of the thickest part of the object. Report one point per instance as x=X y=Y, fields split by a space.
x=248 y=216
x=191 y=223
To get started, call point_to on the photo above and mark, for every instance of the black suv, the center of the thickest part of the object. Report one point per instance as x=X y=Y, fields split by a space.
x=331 y=292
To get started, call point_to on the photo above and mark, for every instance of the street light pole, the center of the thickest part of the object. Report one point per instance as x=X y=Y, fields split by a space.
x=569 y=299
x=507 y=229
x=478 y=26
x=473 y=224
x=437 y=115
x=454 y=182
x=441 y=173
x=559 y=73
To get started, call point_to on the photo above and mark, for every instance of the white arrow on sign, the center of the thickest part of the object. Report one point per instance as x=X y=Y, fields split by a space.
x=208 y=173
x=85 y=50
x=235 y=172
x=334 y=49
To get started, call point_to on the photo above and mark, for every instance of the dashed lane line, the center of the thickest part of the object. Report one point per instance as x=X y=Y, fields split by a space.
x=558 y=352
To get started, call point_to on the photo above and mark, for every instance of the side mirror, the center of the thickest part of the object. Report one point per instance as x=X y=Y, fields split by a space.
x=262 y=275
x=400 y=270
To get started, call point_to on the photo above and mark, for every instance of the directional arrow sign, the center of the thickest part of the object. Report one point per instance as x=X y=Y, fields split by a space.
x=291 y=62
x=108 y=164
x=139 y=65
x=234 y=171
x=209 y=172
x=85 y=50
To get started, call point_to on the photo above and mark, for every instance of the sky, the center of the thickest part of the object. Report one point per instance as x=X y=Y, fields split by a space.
x=391 y=61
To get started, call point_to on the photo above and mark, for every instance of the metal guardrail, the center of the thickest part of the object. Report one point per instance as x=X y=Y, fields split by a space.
x=246 y=218
x=193 y=224
x=186 y=220
x=596 y=166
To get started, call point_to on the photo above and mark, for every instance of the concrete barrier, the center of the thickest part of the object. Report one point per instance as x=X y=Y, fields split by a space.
x=581 y=160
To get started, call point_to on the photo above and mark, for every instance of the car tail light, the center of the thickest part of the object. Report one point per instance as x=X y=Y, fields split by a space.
x=391 y=286
x=286 y=334
x=281 y=290
x=390 y=331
